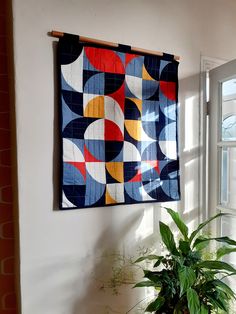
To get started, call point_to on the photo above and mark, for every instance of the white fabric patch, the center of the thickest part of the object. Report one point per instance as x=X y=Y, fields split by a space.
x=97 y=171
x=71 y=152
x=95 y=131
x=135 y=85
x=114 y=113
x=73 y=73
x=116 y=191
x=169 y=148
x=130 y=152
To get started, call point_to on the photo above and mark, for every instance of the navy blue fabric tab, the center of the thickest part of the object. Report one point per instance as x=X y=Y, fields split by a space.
x=71 y=37
x=168 y=56
x=124 y=48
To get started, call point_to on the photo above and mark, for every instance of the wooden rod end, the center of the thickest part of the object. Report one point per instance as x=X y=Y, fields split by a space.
x=56 y=34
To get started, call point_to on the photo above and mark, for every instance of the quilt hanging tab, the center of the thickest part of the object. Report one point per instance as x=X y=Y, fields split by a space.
x=118 y=126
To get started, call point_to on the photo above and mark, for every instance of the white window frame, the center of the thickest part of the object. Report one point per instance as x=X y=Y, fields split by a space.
x=207 y=64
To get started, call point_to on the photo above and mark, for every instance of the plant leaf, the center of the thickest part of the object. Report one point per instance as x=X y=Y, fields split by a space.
x=218 y=303
x=156 y=305
x=223 y=301
x=202 y=245
x=200 y=240
x=224 y=250
x=147 y=257
x=147 y=283
x=220 y=239
x=179 y=222
x=187 y=278
x=158 y=262
x=153 y=276
x=204 y=309
x=193 y=301
x=168 y=238
x=215 y=265
x=202 y=225
x=184 y=246
x=224 y=287
x=228 y=275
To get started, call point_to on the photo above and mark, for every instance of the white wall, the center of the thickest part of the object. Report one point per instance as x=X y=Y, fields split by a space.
x=60 y=250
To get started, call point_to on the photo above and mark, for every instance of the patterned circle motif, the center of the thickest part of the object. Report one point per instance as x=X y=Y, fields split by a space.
x=118 y=126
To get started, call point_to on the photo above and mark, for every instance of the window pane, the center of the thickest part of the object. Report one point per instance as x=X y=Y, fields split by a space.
x=229 y=128
x=224 y=177
x=228 y=224
x=229 y=110
x=228 y=229
x=228 y=177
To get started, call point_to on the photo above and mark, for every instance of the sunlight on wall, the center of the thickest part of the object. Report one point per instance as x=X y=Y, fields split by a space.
x=190 y=121
x=189 y=186
x=145 y=229
x=189 y=201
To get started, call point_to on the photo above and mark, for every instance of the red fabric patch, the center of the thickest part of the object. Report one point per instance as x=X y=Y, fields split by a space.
x=137 y=177
x=104 y=60
x=88 y=157
x=112 y=132
x=168 y=89
x=119 y=96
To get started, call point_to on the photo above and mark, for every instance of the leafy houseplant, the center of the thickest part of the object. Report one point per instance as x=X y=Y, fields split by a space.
x=187 y=283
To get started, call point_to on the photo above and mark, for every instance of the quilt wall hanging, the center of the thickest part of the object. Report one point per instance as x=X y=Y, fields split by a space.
x=118 y=126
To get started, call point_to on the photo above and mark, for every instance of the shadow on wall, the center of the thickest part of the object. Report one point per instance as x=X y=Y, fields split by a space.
x=100 y=294
x=56 y=132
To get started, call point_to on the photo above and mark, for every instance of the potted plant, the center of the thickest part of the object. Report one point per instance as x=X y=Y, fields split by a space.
x=187 y=283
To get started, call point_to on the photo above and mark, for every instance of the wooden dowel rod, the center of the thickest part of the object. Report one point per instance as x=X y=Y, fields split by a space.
x=87 y=40
x=97 y=41
x=110 y=44
x=150 y=52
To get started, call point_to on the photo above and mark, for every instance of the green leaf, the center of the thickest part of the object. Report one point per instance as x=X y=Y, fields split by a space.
x=225 y=240
x=193 y=301
x=153 y=276
x=204 y=309
x=168 y=238
x=223 y=286
x=201 y=240
x=184 y=246
x=220 y=239
x=187 y=278
x=202 y=244
x=146 y=271
x=224 y=250
x=202 y=225
x=228 y=275
x=147 y=257
x=215 y=265
x=223 y=301
x=210 y=274
x=158 y=262
x=146 y=283
x=217 y=302
x=179 y=222
x=156 y=305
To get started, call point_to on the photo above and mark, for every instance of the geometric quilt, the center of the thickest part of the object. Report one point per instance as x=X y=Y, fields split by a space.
x=118 y=126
